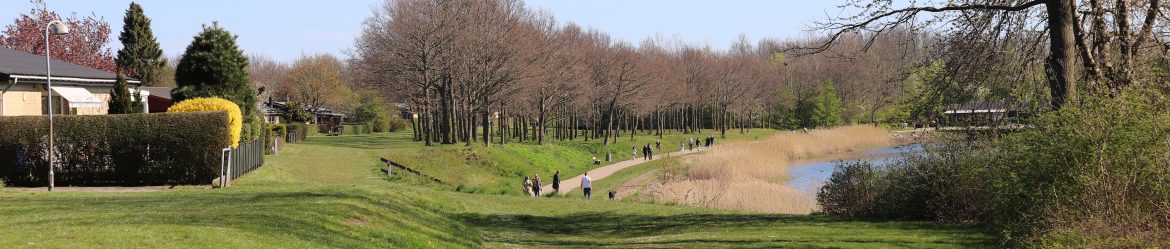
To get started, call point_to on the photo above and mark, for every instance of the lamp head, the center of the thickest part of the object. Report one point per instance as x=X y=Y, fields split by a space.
x=59 y=28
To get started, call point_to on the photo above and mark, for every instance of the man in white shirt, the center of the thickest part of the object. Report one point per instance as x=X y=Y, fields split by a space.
x=587 y=185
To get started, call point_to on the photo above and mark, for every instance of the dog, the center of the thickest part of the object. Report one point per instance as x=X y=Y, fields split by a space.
x=612 y=194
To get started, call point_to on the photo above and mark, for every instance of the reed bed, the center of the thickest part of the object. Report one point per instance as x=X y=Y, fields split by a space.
x=752 y=176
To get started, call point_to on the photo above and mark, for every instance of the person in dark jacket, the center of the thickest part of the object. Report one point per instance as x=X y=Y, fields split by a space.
x=557 y=182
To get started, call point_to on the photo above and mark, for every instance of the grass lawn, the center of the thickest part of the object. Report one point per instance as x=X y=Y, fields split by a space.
x=328 y=192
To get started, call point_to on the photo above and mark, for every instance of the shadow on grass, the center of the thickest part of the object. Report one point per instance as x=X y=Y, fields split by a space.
x=393 y=140
x=609 y=229
x=321 y=218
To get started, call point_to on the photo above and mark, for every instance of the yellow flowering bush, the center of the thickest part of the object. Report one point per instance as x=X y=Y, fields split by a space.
x=235 y=117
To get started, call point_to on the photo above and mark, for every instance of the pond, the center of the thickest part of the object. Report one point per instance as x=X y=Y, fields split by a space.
x=808 y=175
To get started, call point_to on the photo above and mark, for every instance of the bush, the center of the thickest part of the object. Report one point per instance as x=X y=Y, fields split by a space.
x=276 y=133
x=945 y=182
x=130 y=149
x=397 y=123
x=235 y=119
x=301 y=130
x=1093 y=174
x=851 y=190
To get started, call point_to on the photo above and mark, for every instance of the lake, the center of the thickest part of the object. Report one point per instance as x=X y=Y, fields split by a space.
x=808 y=175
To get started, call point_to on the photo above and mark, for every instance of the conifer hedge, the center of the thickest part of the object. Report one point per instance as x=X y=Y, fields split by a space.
x=126 y=149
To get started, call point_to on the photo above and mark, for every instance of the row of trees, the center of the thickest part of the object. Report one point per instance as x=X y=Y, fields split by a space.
x=495 y=71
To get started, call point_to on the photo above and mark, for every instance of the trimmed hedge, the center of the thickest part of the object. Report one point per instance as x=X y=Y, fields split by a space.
x=301 y=130
x=123 y=149
x=235 y=118
x=355 y=129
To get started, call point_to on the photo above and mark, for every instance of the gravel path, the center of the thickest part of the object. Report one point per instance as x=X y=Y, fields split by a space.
x=567 y=185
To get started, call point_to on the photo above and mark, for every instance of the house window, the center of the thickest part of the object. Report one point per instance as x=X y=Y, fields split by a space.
x=58 y=105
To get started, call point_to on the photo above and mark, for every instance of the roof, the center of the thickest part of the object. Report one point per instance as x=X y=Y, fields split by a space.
x=164 y=92
x=976 y=107
x=16 y=63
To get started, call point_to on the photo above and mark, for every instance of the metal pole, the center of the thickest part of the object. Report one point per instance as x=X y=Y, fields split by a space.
x=49 y=80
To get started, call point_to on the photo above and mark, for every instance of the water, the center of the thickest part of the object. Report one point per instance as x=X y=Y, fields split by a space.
x=809 y=176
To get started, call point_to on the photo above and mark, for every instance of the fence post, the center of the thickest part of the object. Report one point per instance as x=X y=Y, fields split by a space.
x=224 y=166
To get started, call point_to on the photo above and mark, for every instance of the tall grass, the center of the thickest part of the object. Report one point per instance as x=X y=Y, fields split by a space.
x=751 y=176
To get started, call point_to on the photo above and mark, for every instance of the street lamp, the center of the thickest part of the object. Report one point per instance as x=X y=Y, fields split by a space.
x=58 y=28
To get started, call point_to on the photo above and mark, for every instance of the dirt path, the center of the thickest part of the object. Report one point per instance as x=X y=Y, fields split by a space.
x=567 y=185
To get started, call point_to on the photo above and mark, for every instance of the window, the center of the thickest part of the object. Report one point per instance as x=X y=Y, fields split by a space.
x=58 y=105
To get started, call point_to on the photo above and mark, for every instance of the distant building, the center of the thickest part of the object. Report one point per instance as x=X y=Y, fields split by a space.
x=980 y=114
x=77 y=90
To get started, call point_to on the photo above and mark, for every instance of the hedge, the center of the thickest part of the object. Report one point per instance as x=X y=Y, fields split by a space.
x=235 y=118
x=124 y=149
x=355 y=129
x=301 y=130
x=276 y=133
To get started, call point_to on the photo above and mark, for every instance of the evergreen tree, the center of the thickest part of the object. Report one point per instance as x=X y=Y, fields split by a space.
x=214 y=66
x=140 y=55
x=120 y=102
x=828 y=106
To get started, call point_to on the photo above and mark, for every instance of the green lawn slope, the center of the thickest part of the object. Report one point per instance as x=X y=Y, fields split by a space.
x=329 y=193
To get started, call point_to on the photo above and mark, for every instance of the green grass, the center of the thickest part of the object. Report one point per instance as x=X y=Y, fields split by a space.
x=328 y=192
x=499 y=169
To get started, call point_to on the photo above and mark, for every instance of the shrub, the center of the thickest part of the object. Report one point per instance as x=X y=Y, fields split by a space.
x=301 y=130
x=235 y=119
x=130 y=149
x=851 y=190
x=945 y=182
x=277 y=133
x=397 y=123
x=1093 y=174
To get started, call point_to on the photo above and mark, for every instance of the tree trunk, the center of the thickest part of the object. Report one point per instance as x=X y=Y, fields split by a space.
x=1061 y=84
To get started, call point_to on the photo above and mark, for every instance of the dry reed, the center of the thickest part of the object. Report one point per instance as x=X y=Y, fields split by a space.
x=752 y=176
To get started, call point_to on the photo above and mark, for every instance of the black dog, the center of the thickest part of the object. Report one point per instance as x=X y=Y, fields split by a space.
x=612 y=194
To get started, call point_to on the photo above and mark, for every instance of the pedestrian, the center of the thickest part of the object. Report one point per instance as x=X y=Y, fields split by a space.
x=536 y=185
x=633 y=153
x=587 y=185
x=557 y=182
x=527 y=186
x=649 y=152
x=658 y=144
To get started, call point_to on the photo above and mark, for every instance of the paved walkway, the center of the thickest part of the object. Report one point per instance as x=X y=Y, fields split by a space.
x=567 y=185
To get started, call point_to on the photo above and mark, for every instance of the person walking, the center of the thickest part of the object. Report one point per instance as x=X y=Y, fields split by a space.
x=587 y=185
x=557 y=182
x=527 y=186
x=649 y=152
x=536 y=185
x=658 y=144
x=633 y=153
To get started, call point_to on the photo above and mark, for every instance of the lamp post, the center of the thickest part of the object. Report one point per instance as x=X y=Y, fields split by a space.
x=58 y=28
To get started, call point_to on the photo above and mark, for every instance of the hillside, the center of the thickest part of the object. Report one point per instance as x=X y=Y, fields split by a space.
x=329 y=193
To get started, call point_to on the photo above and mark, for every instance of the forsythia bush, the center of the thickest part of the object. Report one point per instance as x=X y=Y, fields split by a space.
x=235 y=117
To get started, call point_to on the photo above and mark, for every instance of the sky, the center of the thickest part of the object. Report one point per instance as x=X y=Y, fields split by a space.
x=285 y=29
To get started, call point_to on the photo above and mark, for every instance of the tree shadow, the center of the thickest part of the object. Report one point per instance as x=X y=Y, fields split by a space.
x=611 y=229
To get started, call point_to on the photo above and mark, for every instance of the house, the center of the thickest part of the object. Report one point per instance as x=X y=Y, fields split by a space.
x=77 y=90
x=158 y=99
x=272 y=111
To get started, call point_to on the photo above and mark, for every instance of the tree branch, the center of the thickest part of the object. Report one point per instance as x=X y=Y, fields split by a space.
x=904 y=15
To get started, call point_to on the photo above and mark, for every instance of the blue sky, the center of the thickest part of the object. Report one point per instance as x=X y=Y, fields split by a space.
x=285 y=29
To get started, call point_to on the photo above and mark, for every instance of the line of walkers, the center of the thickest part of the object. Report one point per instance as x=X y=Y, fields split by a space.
x=532 y=185
x=693 y=143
